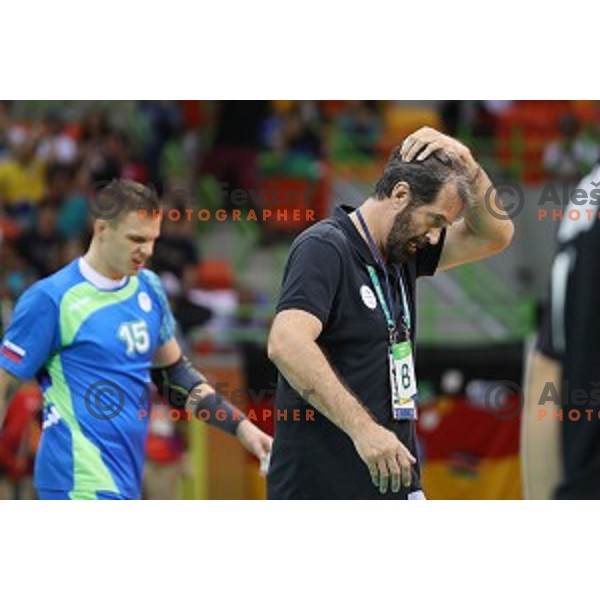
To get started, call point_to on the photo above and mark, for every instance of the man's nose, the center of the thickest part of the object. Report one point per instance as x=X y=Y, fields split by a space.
x=146 y=249
x=433 y=236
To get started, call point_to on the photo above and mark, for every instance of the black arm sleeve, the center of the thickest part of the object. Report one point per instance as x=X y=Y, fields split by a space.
x=177 y=381
x=178 y=384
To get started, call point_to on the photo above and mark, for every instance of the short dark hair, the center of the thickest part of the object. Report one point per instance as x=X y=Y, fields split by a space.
x=129 y=196
x=425 y=178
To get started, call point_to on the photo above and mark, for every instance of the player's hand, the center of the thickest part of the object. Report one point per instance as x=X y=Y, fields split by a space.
x=388 y=460
x=257 y=442
x=425 y=141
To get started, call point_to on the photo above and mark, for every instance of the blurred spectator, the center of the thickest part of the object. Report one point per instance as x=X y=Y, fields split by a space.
x=56 y=146
x=178 y=153
x=94 y=127
x=5 y=122
x=452 y=114
x=176 y=259
x=358 y=130
x=300 y=132
x=569 y=157
x=295 y=141
x=94 y=131
x=232 y=159
x=16 y=275
x=73 y=248
x=73 y=218
x=19 y=437
x=40 y=246
x=114 y=160
x=485 y=116
x=296 y=131
x=22 y=175
x=164 y=120
x=175 y=249
x=213 y=288
x=165 y=454
x=187 y=311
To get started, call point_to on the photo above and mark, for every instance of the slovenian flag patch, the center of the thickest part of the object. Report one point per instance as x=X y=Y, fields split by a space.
x=12 y=351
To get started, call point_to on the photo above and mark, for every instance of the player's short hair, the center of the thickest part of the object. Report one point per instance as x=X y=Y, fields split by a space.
x=128 y=196
x=425 y=178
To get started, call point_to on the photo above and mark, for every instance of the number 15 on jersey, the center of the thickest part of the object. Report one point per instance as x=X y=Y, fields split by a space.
x=135 y=335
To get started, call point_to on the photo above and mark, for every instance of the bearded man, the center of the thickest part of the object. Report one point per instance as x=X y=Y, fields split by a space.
x=343 y=337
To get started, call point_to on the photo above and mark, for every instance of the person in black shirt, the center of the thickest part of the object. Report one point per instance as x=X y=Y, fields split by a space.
x=561 y=425
x=343 y=336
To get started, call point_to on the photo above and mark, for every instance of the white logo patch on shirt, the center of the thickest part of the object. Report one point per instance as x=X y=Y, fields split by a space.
x=51 y=417
x=145 y=302
x=368 y=297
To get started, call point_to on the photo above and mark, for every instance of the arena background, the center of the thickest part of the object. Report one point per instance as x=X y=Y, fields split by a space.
x=242 y=178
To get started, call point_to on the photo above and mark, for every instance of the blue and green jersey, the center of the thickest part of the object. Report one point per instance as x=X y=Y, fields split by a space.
x=91 y=351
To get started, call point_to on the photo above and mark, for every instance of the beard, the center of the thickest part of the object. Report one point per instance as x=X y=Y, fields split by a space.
x=403 y=241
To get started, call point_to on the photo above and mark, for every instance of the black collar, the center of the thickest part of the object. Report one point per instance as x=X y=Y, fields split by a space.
x=341 y=215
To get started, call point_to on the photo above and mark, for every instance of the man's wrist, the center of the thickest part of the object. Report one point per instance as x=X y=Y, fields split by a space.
x=358 y=422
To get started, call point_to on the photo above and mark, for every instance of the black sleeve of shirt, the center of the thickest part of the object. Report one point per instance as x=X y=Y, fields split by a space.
x=428 y=257
x=545 y=343
x=311 y=278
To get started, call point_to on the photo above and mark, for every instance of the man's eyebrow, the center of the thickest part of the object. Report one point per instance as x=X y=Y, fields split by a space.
x=438 y=216
x=139 y=236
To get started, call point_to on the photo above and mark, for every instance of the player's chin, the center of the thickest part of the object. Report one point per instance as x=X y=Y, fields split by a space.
x=135 y=267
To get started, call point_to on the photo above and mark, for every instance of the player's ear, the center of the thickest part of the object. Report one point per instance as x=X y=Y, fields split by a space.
x=100 y=227
x=400 y=196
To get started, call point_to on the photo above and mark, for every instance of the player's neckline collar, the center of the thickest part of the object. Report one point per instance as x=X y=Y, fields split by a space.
x=98 y=280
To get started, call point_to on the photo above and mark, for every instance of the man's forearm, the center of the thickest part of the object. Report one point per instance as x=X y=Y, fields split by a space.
x=486 y=218
x=540 y=437
x=307 y=370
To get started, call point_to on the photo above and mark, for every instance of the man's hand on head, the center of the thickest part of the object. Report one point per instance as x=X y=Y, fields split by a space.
x=426 y=141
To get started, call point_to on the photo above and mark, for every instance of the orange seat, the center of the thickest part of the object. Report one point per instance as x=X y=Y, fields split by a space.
x=214 y=274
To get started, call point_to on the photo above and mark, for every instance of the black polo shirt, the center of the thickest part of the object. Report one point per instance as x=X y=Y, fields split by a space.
x=326 y=275
x=570 y=333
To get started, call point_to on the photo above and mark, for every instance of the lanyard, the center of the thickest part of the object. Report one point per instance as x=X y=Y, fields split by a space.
x=377 y=285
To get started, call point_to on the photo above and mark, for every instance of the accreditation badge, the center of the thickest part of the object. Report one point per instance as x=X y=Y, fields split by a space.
x=403 y=382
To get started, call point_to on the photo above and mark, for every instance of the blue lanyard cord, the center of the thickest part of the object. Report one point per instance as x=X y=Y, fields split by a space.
x=406 y=322
x=380 y=296
x=405 y=310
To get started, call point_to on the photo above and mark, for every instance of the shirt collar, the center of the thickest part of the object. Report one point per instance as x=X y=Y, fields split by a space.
x=97 y=279
x=341 y=215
